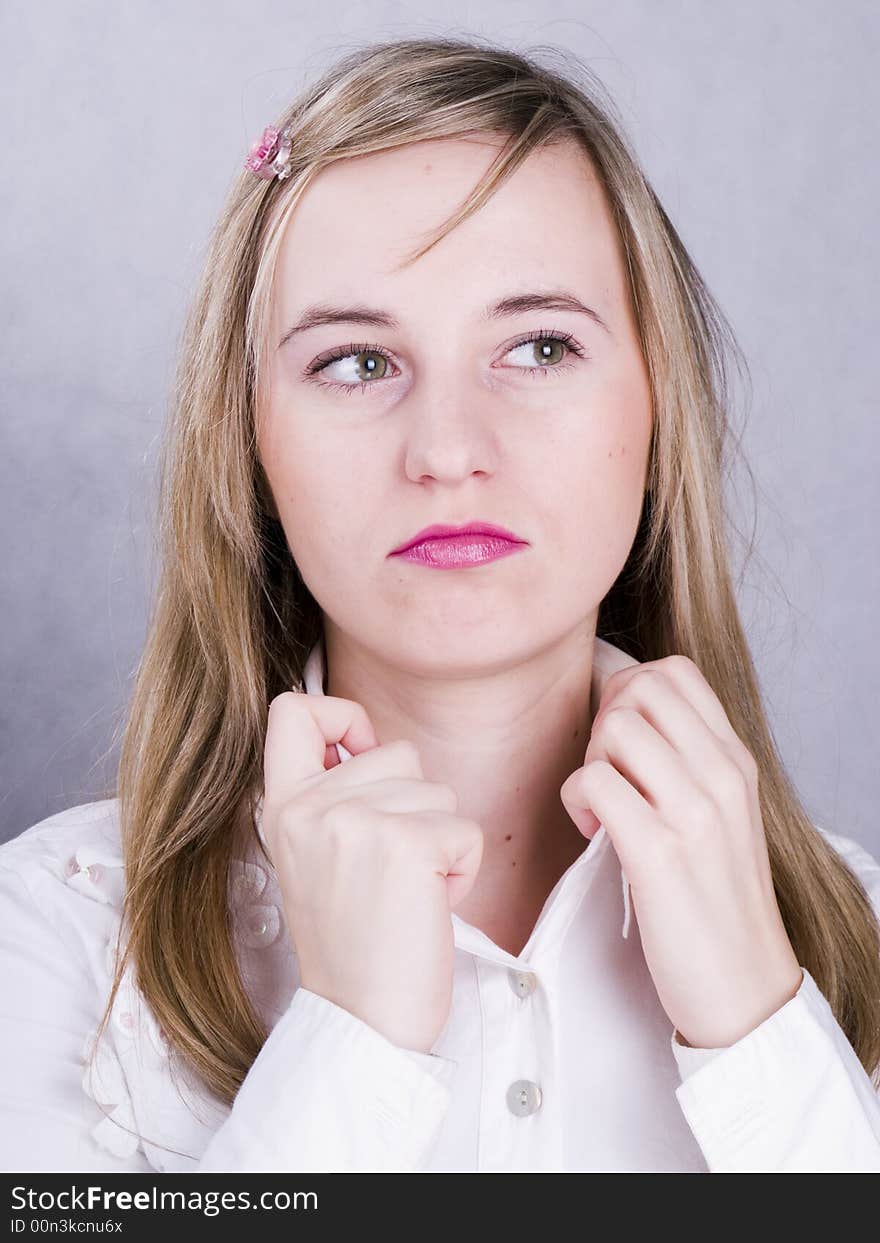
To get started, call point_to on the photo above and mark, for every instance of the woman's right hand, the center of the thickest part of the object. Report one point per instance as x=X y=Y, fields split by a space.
x=370 y=859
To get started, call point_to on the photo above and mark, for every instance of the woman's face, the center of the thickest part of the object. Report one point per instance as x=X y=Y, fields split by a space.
x=444 y=413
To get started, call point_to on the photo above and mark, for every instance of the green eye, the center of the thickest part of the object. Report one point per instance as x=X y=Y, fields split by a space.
x=366 y=364
x=546 y=351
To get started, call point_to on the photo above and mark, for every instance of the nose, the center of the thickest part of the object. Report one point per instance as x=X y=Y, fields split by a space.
x=450 y=432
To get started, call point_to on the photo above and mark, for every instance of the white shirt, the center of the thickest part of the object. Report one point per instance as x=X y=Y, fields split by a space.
x=558 y=1059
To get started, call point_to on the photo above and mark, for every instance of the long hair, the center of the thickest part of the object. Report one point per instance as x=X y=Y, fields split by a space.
x=232 y=621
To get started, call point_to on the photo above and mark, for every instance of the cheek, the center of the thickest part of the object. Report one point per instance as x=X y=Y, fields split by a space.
x=321 y=506
x=597 y=493
x=616 y=461
x=600 y=475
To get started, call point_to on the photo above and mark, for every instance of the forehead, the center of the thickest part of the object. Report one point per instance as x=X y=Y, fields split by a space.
x=547 y=224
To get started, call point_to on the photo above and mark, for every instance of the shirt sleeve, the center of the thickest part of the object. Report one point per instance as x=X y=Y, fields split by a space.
x=790 y=1096
x=688 y=1059
x=329 y=1093
x=47 y=1007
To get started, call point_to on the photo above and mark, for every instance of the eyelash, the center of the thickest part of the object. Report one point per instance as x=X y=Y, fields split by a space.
x=539 y=334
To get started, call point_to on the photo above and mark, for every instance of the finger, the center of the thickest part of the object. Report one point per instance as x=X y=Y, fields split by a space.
x=642 y=755
x=453 y=846
x=694 y=687
x=663 y=705
x=399 y=795
x=572 y=800
x=628 y=819
x=690 y=683
x=299 y=731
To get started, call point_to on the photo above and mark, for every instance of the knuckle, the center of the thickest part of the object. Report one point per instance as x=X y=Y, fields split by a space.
x=291 y=818
x=646 y=674
x=340 y=820
x=283 y=702
x=398 y=841
x=646 y=682
x=476 y=830
x=665 y=850
x=447 y=794
x=478 y=838
x=617 y=721
x=281 y=823
x=593 y=776
x=731 y=781
x=407 y=752
x=702 y=816
x=678 y=661
x=747 y=762
x=613 y=681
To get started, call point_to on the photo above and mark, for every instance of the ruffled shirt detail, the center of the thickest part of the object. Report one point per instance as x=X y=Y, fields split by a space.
x=150 y=1101
x=97 y=872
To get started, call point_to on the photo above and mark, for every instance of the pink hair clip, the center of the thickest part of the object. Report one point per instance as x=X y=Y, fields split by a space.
x=270 y=155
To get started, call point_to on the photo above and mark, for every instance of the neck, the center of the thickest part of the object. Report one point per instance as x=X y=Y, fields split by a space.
x=505 y=740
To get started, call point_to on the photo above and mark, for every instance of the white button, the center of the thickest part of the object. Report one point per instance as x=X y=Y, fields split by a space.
x=248 y=880
x=261 y=926
x=522 y=982
x=92 y=872
x=244 y=887
x=523 y=1097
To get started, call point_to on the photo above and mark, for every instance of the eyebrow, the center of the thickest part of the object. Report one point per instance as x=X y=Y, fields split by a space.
x=357 y=313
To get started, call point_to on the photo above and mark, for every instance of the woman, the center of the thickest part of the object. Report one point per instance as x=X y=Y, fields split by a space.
x=444 y=851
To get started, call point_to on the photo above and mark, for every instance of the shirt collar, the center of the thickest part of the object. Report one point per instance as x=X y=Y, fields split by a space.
x=569 y=891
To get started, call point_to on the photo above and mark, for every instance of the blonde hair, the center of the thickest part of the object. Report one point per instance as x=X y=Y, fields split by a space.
x=233 y=622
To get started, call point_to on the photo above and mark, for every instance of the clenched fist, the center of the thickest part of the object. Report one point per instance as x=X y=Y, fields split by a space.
x=370 y=858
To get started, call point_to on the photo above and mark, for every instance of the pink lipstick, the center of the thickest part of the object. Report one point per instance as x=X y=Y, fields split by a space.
x=453 y=548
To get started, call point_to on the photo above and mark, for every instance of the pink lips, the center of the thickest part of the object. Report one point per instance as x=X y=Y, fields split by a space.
x=451 y=548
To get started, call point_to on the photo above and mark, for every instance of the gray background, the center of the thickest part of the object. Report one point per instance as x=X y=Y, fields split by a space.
x=756 y=123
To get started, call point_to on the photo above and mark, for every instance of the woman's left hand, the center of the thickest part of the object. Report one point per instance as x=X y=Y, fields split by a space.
x=677 y=792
